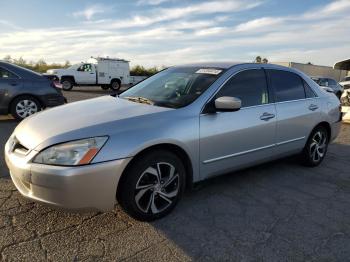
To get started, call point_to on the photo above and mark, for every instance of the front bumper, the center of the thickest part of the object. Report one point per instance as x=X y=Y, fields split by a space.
x=80 y=188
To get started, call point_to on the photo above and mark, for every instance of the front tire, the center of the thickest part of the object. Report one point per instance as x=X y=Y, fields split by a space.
x=67 y=84
x=24 y=106
x=316 y=147
x=152 y=186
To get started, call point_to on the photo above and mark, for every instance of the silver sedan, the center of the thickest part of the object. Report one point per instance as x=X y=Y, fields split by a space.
x=185 y=124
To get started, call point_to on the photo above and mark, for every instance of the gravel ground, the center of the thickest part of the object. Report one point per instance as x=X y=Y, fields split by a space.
x=279 y=211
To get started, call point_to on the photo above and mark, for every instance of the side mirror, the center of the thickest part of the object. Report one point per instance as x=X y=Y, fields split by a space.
x=228 y=103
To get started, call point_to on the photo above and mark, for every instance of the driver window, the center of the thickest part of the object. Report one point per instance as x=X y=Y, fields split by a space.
x=250 y=86
x=85 y=68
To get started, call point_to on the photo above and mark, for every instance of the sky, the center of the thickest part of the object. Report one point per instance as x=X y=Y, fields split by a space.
x=170 y=32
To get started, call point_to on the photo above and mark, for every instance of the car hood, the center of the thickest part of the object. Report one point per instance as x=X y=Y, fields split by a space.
x=88 y=118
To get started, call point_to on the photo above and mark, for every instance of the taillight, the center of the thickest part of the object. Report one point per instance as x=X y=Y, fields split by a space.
x=56 y=84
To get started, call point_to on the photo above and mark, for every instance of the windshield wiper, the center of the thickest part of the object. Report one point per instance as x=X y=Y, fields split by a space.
x=139 y=99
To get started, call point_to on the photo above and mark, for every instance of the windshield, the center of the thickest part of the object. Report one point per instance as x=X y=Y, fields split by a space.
x=174 y=87
x=346 y=79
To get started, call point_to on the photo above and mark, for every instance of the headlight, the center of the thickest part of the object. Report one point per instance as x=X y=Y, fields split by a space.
x=74 y=153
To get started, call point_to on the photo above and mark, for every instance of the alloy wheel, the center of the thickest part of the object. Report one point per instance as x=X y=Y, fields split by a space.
x=318 y=146
x=157 y=188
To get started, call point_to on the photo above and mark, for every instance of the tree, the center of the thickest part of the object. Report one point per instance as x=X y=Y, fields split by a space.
x=259 y=60
x=8 y=59
x=40 y=66
x=142 y=71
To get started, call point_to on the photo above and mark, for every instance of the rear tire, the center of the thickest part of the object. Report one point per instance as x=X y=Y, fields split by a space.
x=316 y=147
x=152 y=185
x=24 y=106
x=67 y=84
x=115 y=85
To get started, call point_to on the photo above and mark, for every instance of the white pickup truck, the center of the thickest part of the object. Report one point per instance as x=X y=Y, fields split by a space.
x=104 y=72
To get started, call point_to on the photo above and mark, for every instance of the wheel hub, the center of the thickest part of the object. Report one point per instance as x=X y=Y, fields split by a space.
x=157 y=188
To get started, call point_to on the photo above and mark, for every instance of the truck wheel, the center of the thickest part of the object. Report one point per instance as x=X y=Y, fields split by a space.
x=67 y=84
x=115 y=85
x=24 y=106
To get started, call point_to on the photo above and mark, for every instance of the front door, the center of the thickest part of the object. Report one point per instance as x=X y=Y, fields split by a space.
x=86 y=74
x=231 y=140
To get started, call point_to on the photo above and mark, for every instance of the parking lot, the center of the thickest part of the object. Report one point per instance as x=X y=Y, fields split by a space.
x=279 y=211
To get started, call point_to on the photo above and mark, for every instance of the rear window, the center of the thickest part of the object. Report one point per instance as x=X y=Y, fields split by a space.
x=332 y=82
x=287 y=86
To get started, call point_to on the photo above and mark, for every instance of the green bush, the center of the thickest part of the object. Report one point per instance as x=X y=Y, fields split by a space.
x=142 y=71
x=40 y=66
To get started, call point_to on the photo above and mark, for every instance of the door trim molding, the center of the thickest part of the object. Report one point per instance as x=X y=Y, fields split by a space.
x=252 y=150
x=237 y=154
x=290 y=141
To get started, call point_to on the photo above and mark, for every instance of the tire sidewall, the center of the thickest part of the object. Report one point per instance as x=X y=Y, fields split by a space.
x=307 y=154
x=115 y=82
x=127 y=189
x=15 y=103
x=68 y=81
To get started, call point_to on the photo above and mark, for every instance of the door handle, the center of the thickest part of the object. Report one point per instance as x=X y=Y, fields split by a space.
x=313 y=107
x=13 y=84
x=92 y=73
x=266 y=116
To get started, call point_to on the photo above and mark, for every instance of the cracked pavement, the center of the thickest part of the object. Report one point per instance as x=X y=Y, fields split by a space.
x=279 y=211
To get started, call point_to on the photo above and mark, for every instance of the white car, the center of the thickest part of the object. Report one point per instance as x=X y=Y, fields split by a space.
x=346 y=82
x=104 y=72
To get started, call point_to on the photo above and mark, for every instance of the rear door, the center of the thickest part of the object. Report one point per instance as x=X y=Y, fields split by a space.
x=298 y=110
x=9 y=83
x=231 y=140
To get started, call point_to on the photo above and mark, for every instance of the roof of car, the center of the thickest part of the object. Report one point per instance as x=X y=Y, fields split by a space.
x=224 y=65
x=21 y=71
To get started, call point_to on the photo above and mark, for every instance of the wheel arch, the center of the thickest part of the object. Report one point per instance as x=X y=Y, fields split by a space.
x=326 y=125
x=71 y=77
x=42 y=104
x=177 y=150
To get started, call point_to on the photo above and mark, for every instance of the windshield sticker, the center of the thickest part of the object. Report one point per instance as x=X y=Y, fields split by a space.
x=209 y=71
